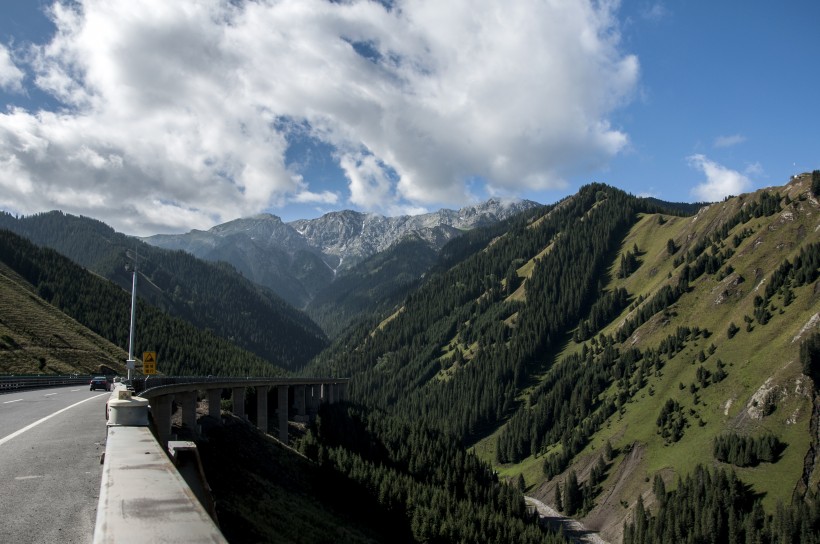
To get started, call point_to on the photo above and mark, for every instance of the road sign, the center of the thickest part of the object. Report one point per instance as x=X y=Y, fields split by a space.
x=149 y=362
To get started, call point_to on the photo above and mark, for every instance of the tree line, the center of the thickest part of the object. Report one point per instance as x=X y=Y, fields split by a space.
x=716 y=506
x=423 y=477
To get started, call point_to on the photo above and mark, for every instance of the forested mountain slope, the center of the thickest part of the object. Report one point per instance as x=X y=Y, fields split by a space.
x=373 y=286
x=462 y=346
x=37 y=338
x=212 y=296
x=35 y=276
x=609 y=342
x=380 y=282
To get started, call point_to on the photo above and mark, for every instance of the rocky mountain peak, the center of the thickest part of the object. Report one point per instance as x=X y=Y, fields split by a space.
x=340 y=239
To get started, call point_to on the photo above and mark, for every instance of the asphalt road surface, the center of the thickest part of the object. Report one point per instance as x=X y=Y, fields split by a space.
x=50 y=471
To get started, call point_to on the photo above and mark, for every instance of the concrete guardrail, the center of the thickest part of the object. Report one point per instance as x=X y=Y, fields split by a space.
x=143 y=497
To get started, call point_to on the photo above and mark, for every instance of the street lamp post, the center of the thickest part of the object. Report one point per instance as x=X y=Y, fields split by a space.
x=130 y=364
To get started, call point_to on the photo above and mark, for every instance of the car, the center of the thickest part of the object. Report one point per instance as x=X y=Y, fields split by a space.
x=99 y=382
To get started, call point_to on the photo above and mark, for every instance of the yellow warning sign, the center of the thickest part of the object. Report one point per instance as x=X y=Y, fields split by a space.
x=149 y=362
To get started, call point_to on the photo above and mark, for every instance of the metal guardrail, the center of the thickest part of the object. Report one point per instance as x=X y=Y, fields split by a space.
x=13 y=383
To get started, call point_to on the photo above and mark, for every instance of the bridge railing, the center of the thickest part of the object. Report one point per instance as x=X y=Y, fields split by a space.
x=12 y=383
x=142 y=493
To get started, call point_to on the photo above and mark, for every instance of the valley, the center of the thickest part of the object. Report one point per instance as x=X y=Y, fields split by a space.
x=590 y=354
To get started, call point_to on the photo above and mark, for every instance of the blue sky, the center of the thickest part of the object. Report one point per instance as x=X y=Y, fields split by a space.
x=158 y=116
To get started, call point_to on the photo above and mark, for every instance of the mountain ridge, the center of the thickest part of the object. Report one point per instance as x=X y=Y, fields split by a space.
x=297 y=259
x=522 y=353
x=210 y=295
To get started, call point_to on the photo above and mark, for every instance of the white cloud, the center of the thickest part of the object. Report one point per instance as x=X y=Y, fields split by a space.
x=729 y=141
x=177 y=113
x=655 y=12
x=11 y=77
x=720 y=181
x=754 y=169
x=308 y=197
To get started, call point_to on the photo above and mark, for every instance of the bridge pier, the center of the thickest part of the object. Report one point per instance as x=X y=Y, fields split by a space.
x=215 y=403
x=161 y=413
x=187 y=402
x=299 y=393
x=262 y=407
x=238 y=396
x=283 y=412
x=315 y=399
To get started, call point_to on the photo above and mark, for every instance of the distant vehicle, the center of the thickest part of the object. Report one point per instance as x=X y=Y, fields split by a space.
x=100 y=382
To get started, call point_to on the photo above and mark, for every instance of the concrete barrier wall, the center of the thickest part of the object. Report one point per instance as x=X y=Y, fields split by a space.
x=143 y=498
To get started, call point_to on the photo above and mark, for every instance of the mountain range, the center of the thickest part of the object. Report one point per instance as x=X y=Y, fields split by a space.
x=647 y=367
x=299 y=259
x=608 y=348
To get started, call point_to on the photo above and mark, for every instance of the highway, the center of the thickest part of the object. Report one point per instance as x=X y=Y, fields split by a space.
x=50 y=471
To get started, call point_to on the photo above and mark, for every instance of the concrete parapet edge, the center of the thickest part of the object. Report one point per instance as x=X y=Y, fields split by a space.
x=142 y=496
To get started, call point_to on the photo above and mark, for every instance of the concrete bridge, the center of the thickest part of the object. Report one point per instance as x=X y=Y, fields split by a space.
x=143 y=497
x=302 y=396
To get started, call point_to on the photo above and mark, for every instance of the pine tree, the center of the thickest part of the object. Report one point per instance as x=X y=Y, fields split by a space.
x=573 y=499
x=559 y=504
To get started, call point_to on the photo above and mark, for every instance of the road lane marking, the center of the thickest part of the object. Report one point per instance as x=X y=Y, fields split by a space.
x=49 y=394
x=73 y=390
x=10 y=401
x=26 y=428
x=28 y=477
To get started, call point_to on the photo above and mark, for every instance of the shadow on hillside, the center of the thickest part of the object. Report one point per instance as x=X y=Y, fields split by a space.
x=267 y=492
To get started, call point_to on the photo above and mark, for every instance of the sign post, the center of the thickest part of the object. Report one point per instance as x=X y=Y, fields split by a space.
x=149 y=362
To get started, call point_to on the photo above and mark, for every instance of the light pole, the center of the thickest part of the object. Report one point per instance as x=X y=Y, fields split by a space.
x=130 y=363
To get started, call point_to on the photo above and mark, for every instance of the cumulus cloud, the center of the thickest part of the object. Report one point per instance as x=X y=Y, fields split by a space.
x=11 y=77
x=178 y=114
x=720 y=181
x=729 y=141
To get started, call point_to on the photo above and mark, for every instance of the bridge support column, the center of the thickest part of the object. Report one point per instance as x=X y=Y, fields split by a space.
x=215 y=403
x=262 y=407
x=299 y=400
x=314 y=392
x=283 y=413
x=188 y=403
x=343 y=391
x=161 y=413
x=238 y=396
x=331 y=393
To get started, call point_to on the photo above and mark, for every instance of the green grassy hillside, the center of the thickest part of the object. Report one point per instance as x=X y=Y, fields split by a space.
x=36 y=338
x=761 y=388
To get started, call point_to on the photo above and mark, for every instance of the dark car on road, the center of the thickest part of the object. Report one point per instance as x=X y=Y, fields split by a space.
x=100 y=382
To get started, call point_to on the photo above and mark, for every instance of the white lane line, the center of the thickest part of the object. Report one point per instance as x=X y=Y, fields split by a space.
x=73 y=390
x=49 y=394
x=28 y=477
x=10 y=401
x=26 y=428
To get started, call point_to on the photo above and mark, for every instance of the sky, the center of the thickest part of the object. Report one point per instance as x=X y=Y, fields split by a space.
x=162 y=117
